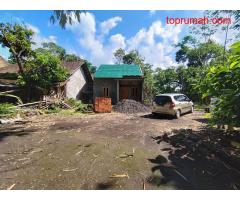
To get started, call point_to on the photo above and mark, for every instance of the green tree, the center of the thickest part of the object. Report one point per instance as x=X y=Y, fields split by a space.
x=180 y=79
x=118 y=54
x=226 y=27
x=222 y=81
x=165 y=81
x=43 y=71
x=71 y=58
x=148 y=86
x=204 y=32
x=133 y=57
x=52 y=48
x=198 y=54
x=18 y=39
x=64 y=17
x=91 y=68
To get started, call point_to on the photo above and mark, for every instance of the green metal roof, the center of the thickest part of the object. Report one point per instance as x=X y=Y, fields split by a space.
x=118 y=71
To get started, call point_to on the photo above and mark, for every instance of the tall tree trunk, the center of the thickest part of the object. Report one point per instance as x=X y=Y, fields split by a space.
x=20 y=65
x=17 y=56
x=225 y=43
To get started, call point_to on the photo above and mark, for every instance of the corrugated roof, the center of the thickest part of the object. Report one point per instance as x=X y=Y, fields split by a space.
x=6 y=67
x=3 y=62
x=118 y=71
x=72 y=66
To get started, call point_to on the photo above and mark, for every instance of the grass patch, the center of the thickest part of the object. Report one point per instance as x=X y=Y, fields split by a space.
x=9 y=76
x=200 y=107
x=79 y=106
x=7 y=109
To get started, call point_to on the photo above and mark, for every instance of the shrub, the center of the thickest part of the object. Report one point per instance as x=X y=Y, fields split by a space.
x=53 y=109
x=73 y=102
x=84 y=108
x=222 y=82
x=79 y=106
x=7 y=109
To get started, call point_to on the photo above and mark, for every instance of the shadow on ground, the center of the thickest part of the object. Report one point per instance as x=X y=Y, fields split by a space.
x=10 y=130
x=202 y=120
x=202 y=159
x=158 y=116
x=106 y=185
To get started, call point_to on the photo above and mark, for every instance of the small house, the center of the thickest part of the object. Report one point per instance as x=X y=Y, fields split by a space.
x=77 y=86
x=80 y=82
x=118 y=82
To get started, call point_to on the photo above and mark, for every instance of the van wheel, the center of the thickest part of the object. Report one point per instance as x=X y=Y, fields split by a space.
x=178 y=114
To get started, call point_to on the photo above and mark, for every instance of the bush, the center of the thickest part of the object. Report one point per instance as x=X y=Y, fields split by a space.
x=43 y=71
x=222 y=82
x=7 y=109
x=53 y=109
x=73 y=102
x=79 y=106
x=10 y=76
x=84 y=108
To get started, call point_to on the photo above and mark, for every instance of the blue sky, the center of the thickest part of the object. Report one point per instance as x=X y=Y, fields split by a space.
x=100 y=33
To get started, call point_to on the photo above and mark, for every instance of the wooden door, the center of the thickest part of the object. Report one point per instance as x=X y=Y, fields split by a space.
x=123 y=93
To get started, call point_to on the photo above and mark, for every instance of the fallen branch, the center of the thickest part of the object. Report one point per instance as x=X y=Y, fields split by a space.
x=70 y=170
x=11 y=95
x=9 y=91
x=32 y=103
x=144 y=186
x=65 y=105
x=124 y=155
x=11 y=187
x=119 y=176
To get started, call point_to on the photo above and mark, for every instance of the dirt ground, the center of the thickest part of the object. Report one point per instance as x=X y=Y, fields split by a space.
x=107 y=151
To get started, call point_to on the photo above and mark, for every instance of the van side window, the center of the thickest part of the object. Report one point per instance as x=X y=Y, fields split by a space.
x=180 y=98
x=186 y=98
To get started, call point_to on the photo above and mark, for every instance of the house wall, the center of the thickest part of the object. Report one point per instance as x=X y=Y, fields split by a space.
x=76 y=84
x=130 y=89
x=114 y=85
x=111 y=84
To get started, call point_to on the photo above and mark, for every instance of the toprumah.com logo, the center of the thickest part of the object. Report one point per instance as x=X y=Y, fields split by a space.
x=198 y=20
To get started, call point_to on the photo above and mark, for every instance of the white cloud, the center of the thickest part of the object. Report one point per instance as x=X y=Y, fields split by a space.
x=117 y=41
x=38 y=38
x=89 y=40
x=33 y=28
x=156 y=43
x=152 y=12
x=109 y=24
x=219 y=37
x=153 y=42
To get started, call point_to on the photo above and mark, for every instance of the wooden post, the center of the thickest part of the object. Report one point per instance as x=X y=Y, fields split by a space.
x=117 y=90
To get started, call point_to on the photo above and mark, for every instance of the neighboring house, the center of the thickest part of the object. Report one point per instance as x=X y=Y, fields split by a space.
x=7 y=75
x=78 y=85
x=118 y=82
x=3 y=62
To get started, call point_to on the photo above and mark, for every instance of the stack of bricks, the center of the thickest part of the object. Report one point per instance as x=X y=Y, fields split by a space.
x=103 y=105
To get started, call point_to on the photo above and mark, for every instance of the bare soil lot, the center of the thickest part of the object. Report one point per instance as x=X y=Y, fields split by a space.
x=110 y=151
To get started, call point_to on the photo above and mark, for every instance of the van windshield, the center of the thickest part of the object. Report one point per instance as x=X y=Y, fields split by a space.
x=162 y=100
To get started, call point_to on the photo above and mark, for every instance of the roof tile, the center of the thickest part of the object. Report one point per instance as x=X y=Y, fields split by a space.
x=118 y=71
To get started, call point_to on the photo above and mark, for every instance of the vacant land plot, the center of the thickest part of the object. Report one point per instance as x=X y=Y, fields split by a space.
x=109 y=151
